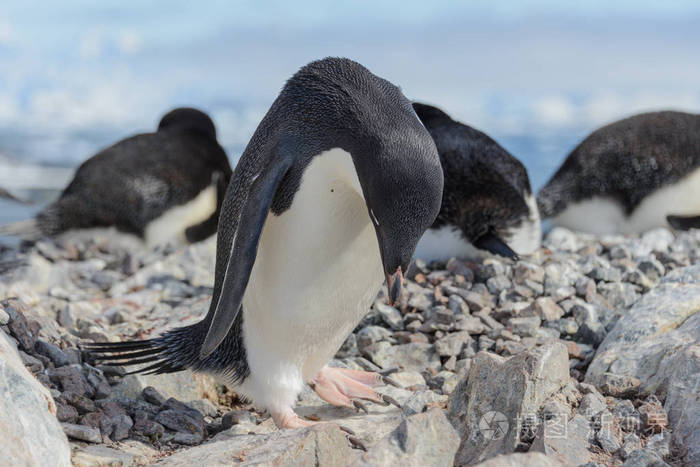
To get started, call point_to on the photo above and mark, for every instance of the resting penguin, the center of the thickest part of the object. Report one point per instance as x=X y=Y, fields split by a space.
x=331 y=195
x=487 y=204
x=630 y=176
x=162 y=186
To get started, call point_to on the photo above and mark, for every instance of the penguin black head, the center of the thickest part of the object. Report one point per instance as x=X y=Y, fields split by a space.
x=487 y=196
x=188 y=119
x=402 y=185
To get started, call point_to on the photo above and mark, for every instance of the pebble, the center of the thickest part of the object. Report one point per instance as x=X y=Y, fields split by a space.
x=81 y=432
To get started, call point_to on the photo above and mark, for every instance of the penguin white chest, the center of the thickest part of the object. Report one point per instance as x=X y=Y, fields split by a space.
x=317 y=271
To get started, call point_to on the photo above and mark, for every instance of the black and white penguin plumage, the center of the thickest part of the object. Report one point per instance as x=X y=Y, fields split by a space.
x=487 y=203
x=629 y=177
x=163 y=186
x=331 y=195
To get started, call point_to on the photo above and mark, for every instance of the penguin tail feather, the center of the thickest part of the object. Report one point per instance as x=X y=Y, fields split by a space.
x=163 y=354
x=26 y=228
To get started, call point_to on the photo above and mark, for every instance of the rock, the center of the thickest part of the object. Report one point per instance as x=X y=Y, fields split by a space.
x=17 y=323
x=591 y=404
x=520 y=459
x=619 y=386
x=414 y=356
x=561 y=239
x=390 y=315
x=658 y=343
x=236 y=417
x=151 y=394
x=452 y=343
x=547 y=309
x=479 y=400
x=323 y=444
x=370 y=335
x=29 y=431
x=82 y=432
x=70 y=379
x=422 y=439
x=565 y=441
x=631 y=443
x=660 y=444
x=183 y=385
x=653 y=415
x=644 y=458
x=179 y=421
x=420 y=400
x=129 y=453
x=526 y=326
x=407 y=379
x=607 y=440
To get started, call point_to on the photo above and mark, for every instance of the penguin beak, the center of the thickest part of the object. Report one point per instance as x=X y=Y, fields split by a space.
x=394 y=283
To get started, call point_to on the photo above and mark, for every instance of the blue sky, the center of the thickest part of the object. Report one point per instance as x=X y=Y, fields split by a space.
x=537 y=75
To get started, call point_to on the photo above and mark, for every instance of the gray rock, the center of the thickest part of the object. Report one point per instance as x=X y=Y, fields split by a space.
x=525 y=326
x=179 y=421
x=565 y=441
x=477 y=401
x=631 y=443
x=523 y=272
x=607 y=440
x=644 y=458
x=129 y=453
x=452 y=343
x=82 y=432
x=151 y=395
x=547 y=309
x=419 y=400
x=183 y=385
x=4 y=317
x=591 y=404
x=323 y=444
x=658 y=343
x=619 y=385
x=390 y=315
x=235 y=417
x=414 y=356
x=618 y=294
x=660 y=443
x=562 y=239
x=370 y=335
x=520 y=459
x=29 y=430
x=497 y=283
x=423 y=439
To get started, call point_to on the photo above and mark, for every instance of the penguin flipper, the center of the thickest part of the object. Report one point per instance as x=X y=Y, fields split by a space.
x=683 y=222
x=493 y=244
x=243 y=251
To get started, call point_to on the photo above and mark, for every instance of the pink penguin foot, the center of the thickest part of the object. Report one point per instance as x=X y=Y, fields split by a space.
x=343 y=387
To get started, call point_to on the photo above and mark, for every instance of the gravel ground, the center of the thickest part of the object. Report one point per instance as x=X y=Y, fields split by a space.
x=568 y=295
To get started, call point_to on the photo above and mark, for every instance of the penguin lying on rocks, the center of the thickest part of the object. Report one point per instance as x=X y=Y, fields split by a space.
x=163 y=186
x=331 y=195
x=630 y=176
x=487 y=203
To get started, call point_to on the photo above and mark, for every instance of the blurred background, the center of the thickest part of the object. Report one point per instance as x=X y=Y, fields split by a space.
x=538 y=76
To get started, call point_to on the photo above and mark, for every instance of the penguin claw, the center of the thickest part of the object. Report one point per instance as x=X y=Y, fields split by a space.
x=360 y=406
x=390 y=381
x=390 y=400
x=356 y=443
x=389 y=371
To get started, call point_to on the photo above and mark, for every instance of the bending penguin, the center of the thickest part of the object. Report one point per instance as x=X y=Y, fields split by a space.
x=487 y=203
x=331 y=195
x=630 y=176
x=163 y=186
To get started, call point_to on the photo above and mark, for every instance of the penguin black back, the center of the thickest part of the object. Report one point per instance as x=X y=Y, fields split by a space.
x=626 y=162
x=139 y=179
x=487 y=196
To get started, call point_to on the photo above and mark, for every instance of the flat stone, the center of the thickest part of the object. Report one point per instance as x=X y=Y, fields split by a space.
x=323 y=444
x=82 y=432
x=182 y=385
x=479 y=400
x=422 y=439
x=130 y=453
x=30 y=432
x=452 y=343
x=414 y=356
x=620 y=386
x=520 y=459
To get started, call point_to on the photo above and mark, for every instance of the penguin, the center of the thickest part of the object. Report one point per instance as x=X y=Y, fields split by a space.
x=163 y=187
x=330 y=197
x=629 y=176
x=487 y=204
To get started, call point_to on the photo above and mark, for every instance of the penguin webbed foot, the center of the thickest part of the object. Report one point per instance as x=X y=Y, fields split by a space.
x=290 y=419
x=343 y=387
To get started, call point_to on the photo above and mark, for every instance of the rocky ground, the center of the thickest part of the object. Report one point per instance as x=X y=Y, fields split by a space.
x=586 y=353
